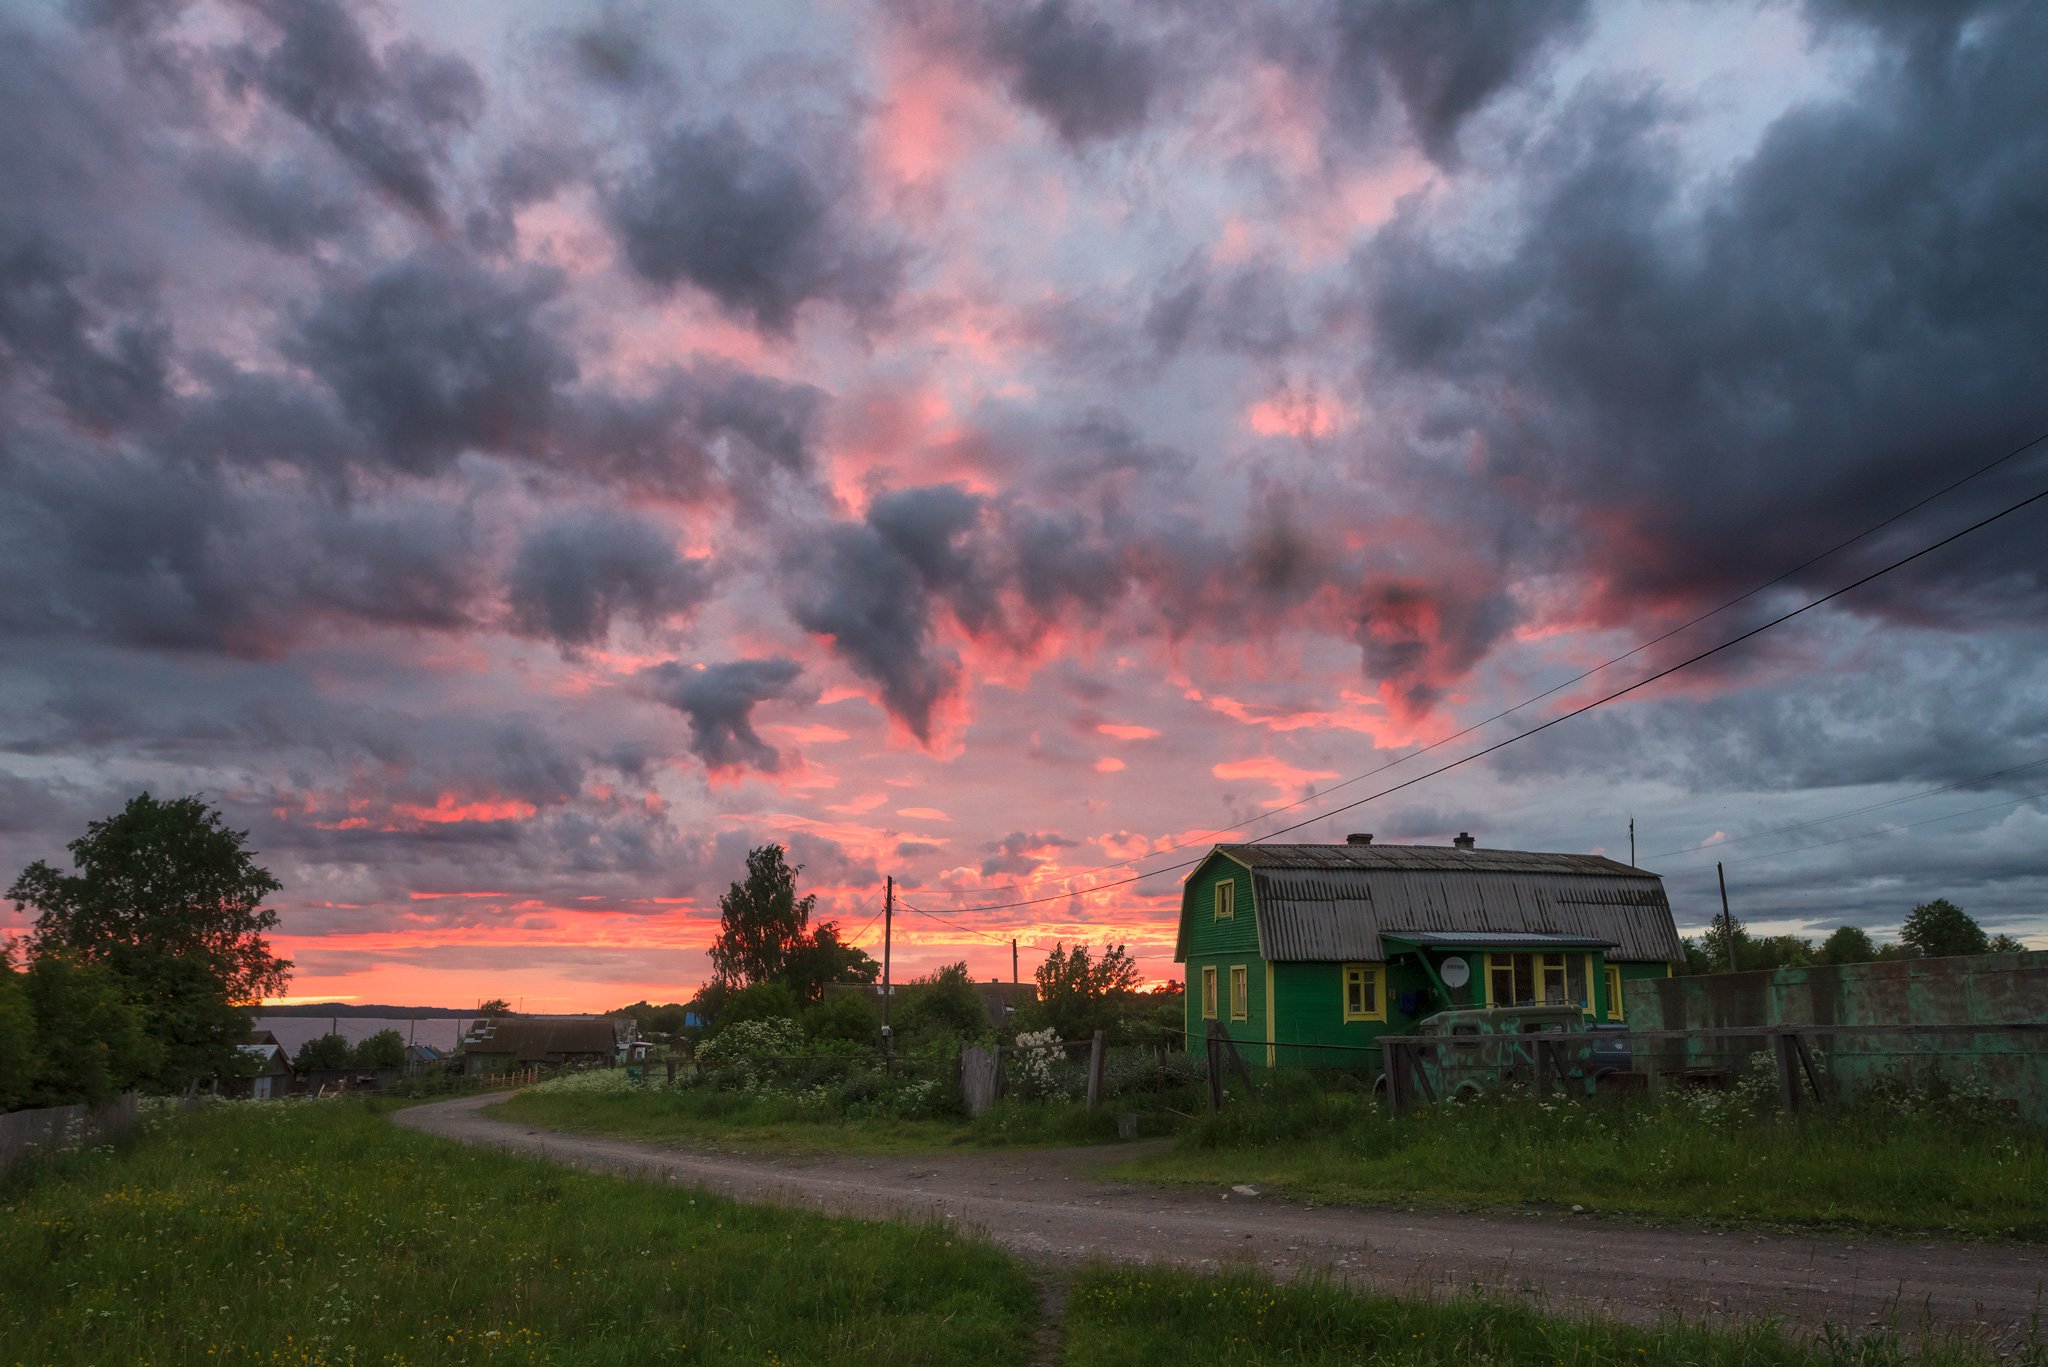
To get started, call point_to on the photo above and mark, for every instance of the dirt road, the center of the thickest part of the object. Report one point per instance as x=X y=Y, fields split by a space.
x=1053 y=1206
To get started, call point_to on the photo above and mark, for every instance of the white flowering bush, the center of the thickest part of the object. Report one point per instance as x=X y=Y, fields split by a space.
x=591 y=1082
x=1034 y=1064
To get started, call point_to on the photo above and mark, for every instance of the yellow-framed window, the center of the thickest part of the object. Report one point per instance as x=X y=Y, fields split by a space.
x=1614 y=1012
x=1365 y=992
x=1240 y=993
x=1226 y=900
x=1209 y=993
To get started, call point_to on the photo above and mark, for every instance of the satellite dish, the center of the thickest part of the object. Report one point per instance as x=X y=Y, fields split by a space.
x=1455 y=972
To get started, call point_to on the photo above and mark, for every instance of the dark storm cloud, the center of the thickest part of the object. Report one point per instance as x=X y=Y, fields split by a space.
x=1245 y=311
x=850 y=584
x=576 y=574
x=104 y=359
x=386 y=113
x=694 y=430
x=1004 y=571
x=1076 y=71
x=719 y=701
x=1445 y=58
x=127 y=550
x=1019 y=852
x=285 y=207
x=436 y=355
x=1718 y=392
x=748 y=225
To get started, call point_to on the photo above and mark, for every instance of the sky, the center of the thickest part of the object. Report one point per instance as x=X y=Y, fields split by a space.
x=515 y=458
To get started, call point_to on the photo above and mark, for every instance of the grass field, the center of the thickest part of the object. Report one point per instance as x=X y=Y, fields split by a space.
x=317 y=1233
x=1949 y=1169
x=1704 y=1160
x=1132 y=1317
x=780 y=1123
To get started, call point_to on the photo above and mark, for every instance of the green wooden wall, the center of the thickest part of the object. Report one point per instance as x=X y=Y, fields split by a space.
x=1302 y=1004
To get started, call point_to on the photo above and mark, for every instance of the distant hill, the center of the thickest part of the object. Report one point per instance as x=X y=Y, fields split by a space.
x=362 y=1009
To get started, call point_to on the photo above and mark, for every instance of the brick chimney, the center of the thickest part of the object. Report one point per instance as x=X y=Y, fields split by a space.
x=1359 y=839
x=1464 y=840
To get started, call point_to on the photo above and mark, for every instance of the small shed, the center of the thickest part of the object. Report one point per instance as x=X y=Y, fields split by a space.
x=272 y=1078
x=424 y=1058
x=1317 y=950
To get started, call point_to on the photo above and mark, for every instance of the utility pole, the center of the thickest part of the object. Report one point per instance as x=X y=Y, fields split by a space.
x=888 y=922
x=1013 y=961
x=1727 y=918
x=1631 y=842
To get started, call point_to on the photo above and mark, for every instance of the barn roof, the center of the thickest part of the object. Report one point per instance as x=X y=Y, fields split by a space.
x=540 y=1038
x=1321 y=903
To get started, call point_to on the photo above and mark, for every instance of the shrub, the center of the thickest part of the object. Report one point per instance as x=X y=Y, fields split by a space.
x=942 y=1008
x=761 y=1002
x=847 y=1016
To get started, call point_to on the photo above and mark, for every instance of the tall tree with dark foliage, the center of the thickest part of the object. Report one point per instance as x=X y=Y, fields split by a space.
x=170 y=901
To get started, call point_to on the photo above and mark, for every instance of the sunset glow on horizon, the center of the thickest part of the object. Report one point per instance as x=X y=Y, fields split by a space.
x=515 y=459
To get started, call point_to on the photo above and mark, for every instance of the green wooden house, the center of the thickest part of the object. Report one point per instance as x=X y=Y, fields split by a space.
x=1317 y=950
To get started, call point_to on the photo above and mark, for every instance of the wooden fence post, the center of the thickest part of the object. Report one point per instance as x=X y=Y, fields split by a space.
x=1215 y=1067
x=1785 y=1054
x=671 y=1072
x=1393 y=1067
x=1097 y=1047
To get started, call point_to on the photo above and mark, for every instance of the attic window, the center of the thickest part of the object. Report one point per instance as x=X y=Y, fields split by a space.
x=1226 y=900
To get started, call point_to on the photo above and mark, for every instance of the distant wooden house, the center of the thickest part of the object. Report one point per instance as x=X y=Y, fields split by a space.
x=272 y=1075
x=425 y=1058
x=508 y=1043
x=1316 y=946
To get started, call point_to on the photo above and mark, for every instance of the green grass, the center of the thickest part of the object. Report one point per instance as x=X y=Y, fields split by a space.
x=316 y=1232
x=1700 y=1161
x=702 y=1115
x=1126 y=1317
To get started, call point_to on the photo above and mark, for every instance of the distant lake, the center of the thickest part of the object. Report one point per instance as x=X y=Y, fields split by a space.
x=442 y=1032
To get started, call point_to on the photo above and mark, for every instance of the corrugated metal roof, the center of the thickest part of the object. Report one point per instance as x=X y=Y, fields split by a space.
x=1318 y=903
x=1443 y=858
x=1435 y=939
x=529 y=1037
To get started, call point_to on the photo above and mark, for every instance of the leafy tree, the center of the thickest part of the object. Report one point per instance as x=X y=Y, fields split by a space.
x=93 y=1042
x=941 y=1005
x=842 y=1015
x=385 y=1049
x=1849 y=945
x=761 y=921
x=1940 y=928
x=328 y=1051
x=2002 y=943
x=171 y=902
x=19 y=1055
x=762 y=1001
x=495 y=1007
x=1079 y=994
x=765 y=935
x=650 y=1019
x=822 y=958
x=1709 y=954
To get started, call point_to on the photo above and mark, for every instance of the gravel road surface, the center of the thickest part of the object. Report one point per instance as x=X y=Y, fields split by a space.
x=1054 y=1206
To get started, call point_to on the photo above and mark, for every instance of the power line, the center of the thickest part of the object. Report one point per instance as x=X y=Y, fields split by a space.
x=1853 y=811
x=970 y=930
x=1562 y=717
x=1872 y=530
x=1891 y=830
x=855 y=937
